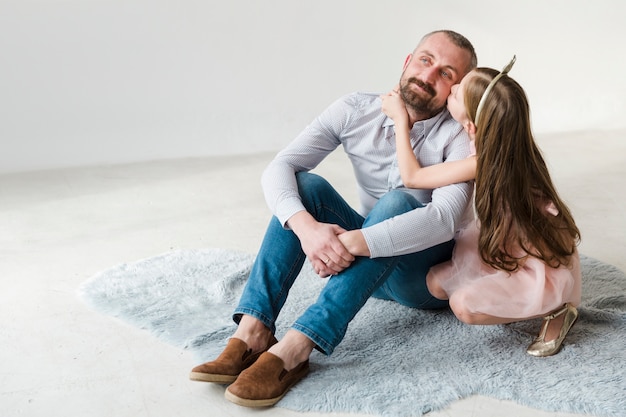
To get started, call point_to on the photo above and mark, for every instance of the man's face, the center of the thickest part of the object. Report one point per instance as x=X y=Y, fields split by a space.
x=433 y=68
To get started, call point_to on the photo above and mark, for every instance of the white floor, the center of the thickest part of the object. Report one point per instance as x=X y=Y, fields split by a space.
x=60 y=227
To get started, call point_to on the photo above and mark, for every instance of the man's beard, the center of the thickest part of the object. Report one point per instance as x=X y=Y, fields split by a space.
x=416 y=101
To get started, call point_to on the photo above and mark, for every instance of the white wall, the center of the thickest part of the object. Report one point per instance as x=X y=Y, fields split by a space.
x=86 y=82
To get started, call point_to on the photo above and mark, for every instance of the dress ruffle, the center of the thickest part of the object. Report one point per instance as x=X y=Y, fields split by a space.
x=535 y=289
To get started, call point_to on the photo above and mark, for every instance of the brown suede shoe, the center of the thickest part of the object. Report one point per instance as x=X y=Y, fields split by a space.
x=266 y=382
x=226 y=368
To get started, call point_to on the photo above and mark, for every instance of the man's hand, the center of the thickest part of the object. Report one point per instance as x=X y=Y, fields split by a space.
x=321 y=244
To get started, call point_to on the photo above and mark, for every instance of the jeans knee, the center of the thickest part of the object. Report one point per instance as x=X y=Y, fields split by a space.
x=309 y=181
x=394 y=203
x=311 y=188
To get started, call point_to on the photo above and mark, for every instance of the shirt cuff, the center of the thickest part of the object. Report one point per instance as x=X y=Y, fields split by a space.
x=378 y=240
x=287 y=209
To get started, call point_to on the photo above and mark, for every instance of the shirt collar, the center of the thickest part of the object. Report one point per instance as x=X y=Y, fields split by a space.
x=427 y=125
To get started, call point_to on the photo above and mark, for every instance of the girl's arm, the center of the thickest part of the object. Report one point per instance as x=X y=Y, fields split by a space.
x=439 y=175
x=412 y=173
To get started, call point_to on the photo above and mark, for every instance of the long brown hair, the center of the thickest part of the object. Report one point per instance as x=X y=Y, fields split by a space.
x=513 y=184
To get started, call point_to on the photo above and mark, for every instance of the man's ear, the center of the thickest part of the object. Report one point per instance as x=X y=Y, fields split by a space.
x=406 y=61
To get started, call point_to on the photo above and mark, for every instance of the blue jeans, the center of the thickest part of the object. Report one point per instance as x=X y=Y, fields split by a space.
x=280 y=259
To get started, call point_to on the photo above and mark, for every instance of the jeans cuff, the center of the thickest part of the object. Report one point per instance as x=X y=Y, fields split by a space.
x=239 y=311
x=320 y=344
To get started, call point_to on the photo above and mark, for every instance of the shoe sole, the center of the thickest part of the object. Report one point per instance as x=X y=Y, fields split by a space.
x=214 y=378
x=265 y=402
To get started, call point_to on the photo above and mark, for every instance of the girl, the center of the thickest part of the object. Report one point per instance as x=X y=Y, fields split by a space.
x=518 y=260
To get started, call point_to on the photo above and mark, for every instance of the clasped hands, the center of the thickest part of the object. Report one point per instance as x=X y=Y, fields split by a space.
x=329 y=247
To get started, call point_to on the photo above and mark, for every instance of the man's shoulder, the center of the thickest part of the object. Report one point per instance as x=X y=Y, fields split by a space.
x=444 y=121
x=361 y=99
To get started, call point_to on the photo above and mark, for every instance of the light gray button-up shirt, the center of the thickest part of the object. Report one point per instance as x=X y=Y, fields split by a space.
x=366 y=134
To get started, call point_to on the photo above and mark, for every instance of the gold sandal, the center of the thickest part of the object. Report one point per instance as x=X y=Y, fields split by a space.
x=539 y=347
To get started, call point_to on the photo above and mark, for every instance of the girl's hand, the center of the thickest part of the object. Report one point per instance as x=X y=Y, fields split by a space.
x=393 y=106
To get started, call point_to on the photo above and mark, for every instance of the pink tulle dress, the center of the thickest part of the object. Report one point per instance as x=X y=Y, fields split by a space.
x=535 y=289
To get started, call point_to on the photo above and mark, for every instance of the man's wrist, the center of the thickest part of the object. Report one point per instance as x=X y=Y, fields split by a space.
x=298 y=221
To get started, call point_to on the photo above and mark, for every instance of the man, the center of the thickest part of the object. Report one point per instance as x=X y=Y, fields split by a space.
x=384 y=251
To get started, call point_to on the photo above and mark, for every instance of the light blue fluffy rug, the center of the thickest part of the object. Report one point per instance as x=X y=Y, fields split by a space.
x=394 y=360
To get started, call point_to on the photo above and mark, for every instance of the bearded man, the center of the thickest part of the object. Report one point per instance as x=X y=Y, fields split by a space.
x=382 y=249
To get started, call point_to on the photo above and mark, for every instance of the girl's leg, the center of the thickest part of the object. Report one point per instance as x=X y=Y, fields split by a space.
x=460 y=304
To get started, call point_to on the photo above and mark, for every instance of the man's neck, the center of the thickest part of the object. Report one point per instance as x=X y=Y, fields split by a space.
x=415 y=116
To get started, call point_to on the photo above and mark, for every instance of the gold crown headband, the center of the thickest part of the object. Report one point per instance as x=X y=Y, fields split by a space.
x=493 y=82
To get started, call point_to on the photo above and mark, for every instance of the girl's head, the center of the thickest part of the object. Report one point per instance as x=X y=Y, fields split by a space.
x=488 y=94
x=456 y=103
x=502 y=130
x=513 y=184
